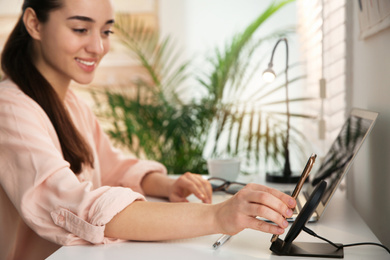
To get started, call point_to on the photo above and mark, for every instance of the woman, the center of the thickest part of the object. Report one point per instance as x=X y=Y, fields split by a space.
x=62 y=183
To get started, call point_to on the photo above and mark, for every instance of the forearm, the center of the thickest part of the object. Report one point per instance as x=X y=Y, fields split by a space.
x=157 y=185
x=177 y=190
x=148 y=221
x=151 y=221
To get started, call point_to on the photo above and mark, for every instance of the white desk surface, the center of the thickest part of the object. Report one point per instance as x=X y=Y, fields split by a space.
x=340 y=224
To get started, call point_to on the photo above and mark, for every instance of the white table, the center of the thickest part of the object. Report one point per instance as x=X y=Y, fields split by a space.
x=340 y=224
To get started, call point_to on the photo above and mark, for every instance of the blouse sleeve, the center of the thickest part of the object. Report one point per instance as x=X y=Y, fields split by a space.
x=38 y=181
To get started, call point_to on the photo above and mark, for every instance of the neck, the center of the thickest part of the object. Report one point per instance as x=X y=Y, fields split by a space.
x=60 y=83
x=60 y=90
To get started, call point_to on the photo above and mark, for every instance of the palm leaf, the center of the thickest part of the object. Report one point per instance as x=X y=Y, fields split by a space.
x=157 y=124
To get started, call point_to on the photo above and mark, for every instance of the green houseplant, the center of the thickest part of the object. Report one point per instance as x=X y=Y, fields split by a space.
x=154 y=122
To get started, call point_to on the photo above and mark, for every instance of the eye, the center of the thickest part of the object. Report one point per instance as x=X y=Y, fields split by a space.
x=81 y=31
x=108 y=32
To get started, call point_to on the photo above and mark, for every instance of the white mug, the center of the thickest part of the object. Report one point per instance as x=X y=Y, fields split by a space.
x=227 y=169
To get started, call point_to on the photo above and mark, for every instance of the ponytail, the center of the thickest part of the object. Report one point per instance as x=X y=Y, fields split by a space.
x=17 y=64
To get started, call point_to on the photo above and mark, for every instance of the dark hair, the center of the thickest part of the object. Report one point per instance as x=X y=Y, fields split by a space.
x=17 y=64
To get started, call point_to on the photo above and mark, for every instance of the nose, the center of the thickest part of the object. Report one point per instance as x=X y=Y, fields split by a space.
x=95 y=44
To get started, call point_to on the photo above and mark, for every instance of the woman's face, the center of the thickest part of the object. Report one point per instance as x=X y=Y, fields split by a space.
x=74 y=40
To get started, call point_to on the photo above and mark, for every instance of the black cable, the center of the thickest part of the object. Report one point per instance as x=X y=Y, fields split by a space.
x=367 y=243
x=312 y=233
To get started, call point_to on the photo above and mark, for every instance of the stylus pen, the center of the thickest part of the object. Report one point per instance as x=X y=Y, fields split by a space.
x=300 y=183
x=221 y=241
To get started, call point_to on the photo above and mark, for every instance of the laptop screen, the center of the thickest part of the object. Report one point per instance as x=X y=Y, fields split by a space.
x=343 y=150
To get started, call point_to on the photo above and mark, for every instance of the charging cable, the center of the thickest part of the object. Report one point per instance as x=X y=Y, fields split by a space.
x=311 y=232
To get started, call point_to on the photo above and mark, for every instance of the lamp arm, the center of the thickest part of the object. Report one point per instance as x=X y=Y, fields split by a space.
x=287 y=169
x=270 y=64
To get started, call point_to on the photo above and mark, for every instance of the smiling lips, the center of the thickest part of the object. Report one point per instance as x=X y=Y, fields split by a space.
x=86 y=65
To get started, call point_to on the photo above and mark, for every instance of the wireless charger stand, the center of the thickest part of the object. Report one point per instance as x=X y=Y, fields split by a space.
x=307 y=249
x=288 y=248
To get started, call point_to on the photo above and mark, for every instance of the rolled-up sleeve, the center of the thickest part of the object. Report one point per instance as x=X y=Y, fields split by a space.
x=88 y=223
x=49 y=197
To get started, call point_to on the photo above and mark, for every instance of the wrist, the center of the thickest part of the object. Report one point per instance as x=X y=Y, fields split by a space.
x=157 y=184
x=211 y=223
x=217 y=218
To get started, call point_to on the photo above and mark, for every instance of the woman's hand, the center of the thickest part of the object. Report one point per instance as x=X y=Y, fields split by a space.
x=253 y=201
x=154 y=221
x=190 y=183
x=177 y=190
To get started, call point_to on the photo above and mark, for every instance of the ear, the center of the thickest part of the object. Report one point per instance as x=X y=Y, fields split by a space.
x=32 y=23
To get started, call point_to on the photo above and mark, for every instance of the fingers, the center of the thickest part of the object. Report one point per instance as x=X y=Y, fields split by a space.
x=266 y=212
x=195 y=184
x=259 y=201
x=266 y=227
x=286 y=199
x=190 y=183
x=264 y=204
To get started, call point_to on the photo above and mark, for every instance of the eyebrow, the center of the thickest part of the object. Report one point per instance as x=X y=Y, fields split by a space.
x=87 y=19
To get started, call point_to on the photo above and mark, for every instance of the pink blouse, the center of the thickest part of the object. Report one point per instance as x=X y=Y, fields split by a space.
x=43 y=204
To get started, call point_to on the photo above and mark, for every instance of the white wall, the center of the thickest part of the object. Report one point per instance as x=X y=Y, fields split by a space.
x=10 y=7
x=368 y=184
x=200 y=26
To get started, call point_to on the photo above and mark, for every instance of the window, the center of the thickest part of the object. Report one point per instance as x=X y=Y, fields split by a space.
x=322 y=32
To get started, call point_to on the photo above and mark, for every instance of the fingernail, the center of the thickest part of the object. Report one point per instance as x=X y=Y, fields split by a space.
x=291 y=202
x=289 y=213
x=280 y=230
x=285 y=223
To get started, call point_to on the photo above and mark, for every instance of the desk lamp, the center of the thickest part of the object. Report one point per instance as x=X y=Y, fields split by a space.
x=268 y=76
